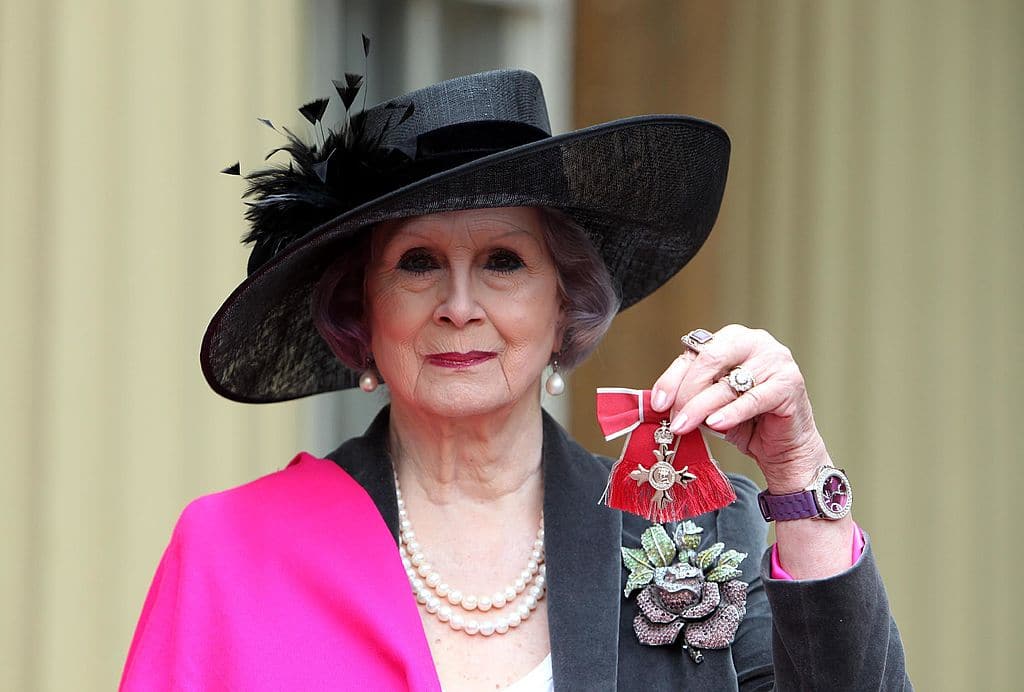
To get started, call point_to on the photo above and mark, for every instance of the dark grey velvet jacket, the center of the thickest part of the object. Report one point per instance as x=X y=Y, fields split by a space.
x=829 y=634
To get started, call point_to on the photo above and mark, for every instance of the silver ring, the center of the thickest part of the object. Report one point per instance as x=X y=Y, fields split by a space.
x=740 y=379
x=696 y=339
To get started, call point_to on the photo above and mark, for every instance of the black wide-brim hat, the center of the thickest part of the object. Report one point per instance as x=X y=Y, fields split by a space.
x=646 y=190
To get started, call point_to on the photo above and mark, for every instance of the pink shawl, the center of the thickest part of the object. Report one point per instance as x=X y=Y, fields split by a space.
x=291 y=582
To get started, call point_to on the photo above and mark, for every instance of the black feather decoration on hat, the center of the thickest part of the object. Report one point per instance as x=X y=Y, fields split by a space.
x=314 y=110
x=343 y=169
x=347 y=92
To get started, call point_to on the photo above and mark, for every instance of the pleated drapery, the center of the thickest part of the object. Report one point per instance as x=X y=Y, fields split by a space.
x=873 y=223
x=119 y=240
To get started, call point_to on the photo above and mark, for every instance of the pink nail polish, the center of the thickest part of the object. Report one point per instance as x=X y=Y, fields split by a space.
x=659 y=400
x=714 y=419
x=678 y=422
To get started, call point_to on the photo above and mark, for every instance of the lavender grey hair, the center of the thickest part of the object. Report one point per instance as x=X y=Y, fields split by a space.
x=585 y=290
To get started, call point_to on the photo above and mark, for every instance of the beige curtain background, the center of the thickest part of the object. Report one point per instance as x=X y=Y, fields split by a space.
x=873 y=222
x=119 y=241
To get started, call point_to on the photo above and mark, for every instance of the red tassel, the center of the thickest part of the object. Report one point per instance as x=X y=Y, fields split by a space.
x=639 y=484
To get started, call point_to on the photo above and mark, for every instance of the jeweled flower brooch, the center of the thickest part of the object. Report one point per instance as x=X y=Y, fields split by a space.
x=696 y=594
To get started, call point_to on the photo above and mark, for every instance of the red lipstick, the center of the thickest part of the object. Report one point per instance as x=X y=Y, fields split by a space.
x=459 y=361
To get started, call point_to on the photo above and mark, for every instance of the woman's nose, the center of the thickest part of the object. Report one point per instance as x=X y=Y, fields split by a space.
x=457 y=303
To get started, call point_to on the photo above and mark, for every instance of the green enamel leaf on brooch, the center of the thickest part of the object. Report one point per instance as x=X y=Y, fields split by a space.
x=731 y=558
x=706 y=558
x=635 y=558
x=687 y=535
x=660 y=549
x=723 y=574
x=637 y=579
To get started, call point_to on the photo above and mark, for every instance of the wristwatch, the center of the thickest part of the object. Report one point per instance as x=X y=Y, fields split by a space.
x=829 y=496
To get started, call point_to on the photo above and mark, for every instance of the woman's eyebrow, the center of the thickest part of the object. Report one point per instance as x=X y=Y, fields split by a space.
x=403 y=232
x=505 y=229
x=514 y=231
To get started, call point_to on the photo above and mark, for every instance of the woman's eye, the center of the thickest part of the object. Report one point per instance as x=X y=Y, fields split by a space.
x=417 y=261
x=504 y=261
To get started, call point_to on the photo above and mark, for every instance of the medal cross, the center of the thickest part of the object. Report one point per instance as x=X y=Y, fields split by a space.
x=662 y=476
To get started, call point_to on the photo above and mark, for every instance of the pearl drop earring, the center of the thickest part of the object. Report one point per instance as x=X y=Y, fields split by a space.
x=555 y=385
x=368 y=380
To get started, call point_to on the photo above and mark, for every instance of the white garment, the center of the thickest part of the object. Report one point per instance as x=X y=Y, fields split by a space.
x=540 y=679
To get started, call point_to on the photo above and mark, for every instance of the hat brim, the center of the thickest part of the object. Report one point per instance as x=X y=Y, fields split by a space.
x=647 y=190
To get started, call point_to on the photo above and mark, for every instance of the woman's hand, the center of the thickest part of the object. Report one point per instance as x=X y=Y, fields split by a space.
x=772 y=422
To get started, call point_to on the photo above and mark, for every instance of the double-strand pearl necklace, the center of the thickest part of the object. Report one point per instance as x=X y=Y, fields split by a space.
x=439 y=599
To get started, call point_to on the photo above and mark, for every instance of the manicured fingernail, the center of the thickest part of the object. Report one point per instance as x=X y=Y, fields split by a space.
x=714 y=419
x=660 y=398
x=710 y=431
x=678 y=422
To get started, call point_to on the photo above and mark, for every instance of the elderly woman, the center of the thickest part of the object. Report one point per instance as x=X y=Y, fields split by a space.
x=447 y=245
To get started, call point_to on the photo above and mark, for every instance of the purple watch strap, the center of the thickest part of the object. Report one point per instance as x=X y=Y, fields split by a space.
x=785 y=507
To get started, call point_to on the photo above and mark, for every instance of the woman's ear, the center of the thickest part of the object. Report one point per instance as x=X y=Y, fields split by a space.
x=560 y=329
x=367 y=337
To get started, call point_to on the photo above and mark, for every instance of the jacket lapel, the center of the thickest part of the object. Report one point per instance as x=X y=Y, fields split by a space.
x=582 y=541
x=366 y=459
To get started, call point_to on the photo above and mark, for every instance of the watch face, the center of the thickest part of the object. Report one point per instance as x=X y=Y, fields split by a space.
x=834 y=494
